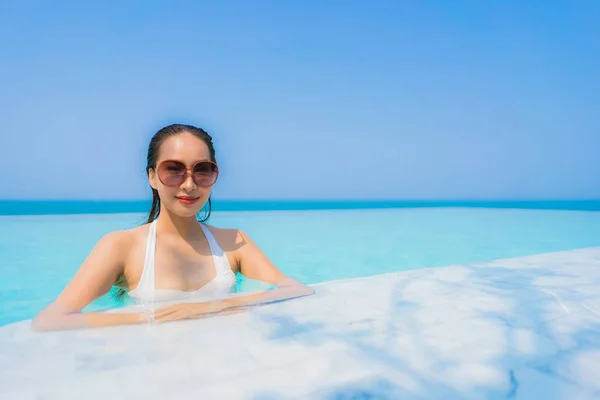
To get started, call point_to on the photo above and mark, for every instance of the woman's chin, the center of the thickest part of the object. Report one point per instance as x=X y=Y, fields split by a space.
x=185 y=211
x=188 y=213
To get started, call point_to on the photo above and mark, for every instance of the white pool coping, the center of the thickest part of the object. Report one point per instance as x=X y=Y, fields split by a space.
x=523 y=328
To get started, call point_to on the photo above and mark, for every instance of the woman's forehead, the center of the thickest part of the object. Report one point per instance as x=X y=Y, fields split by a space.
x=184 y=147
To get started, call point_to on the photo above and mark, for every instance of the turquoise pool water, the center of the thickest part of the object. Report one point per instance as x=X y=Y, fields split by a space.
x=40 y=253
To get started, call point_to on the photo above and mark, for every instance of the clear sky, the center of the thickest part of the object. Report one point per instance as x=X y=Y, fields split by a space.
x=305 y=99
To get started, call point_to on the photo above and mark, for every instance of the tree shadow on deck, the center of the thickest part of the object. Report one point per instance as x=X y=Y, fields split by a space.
x=502 y=333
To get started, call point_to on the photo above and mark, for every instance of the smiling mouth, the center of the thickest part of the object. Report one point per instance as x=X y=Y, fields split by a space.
x=187 y=200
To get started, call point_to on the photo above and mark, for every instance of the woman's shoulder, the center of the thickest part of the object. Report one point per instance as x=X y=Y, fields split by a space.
x=230 y=239
x=123 y=240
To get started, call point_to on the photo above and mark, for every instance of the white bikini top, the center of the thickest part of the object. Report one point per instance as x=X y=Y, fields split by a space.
x=219 y=287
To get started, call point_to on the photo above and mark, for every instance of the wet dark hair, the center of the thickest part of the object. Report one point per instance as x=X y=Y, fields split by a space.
x=153 y=150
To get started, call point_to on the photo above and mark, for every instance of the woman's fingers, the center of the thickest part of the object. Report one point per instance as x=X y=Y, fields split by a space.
x=217 y=314
x=170 y=313
x=184 y=311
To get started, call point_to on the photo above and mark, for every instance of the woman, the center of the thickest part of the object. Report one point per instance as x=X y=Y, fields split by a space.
x=173 y=258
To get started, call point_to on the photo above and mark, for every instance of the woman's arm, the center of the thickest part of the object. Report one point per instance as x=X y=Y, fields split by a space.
x=94 y=278
x=253 y=264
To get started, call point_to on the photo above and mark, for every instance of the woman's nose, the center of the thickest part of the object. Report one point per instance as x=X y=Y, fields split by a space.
x=189 y=183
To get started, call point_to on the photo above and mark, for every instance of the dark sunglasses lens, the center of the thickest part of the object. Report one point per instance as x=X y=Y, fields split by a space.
x=171 y=173
x=205 y=173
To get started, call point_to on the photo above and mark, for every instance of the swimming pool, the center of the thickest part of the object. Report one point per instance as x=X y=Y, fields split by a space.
x=39 y=254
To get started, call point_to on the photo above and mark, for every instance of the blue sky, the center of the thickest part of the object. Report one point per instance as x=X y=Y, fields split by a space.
x=305 y=99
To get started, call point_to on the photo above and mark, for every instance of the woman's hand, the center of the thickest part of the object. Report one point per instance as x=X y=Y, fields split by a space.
x=287 y=289
x=193 y=311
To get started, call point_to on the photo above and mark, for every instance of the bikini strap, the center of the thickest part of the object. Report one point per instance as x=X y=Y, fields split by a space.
x=219 y=257
x=147 y=281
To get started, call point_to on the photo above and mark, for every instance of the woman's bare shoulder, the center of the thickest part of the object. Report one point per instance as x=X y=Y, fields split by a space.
x=122 y=241
x=230 y=239
x=135 y=233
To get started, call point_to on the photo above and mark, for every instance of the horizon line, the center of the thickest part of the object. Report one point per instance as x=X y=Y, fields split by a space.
x=348 y=199
x=79 y=207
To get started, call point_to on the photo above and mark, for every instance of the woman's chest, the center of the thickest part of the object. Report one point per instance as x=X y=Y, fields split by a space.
x=177 y=266
x=183 y=269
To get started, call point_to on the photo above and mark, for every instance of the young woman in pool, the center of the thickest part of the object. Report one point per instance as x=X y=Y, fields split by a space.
x=173 y=258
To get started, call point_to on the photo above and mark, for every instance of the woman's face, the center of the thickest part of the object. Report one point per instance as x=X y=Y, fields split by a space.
x=184 y=174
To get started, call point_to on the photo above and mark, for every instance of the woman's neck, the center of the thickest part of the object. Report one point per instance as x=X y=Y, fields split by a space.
x=186 y=227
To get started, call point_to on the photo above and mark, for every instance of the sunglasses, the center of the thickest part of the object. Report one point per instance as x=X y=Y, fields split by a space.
x=174 y=173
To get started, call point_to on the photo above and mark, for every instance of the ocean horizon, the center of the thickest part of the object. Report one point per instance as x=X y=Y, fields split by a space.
x=53 y=207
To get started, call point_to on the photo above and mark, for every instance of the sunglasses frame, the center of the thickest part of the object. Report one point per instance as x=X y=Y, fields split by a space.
x=189 y=171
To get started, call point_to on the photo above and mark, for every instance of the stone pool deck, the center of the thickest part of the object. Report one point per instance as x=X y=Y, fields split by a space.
x=522 y=328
